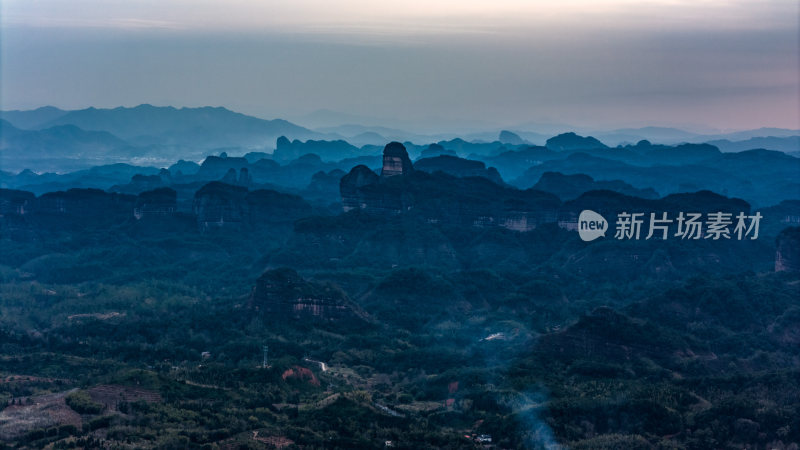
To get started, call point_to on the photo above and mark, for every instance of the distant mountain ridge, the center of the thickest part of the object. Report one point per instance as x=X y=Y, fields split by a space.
x=116 y=135
x=147 y=121
x=53 y=139
x=49 y=148
x=783 y=144
x=32 y=119
x=671 y=136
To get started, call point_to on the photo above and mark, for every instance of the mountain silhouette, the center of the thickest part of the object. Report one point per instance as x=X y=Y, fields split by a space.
x=206 y=127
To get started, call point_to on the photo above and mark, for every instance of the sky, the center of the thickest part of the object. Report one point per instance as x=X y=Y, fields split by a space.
x=701 y=65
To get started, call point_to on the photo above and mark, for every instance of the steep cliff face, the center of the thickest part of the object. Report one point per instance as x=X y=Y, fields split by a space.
x=214 y=205
x=230 y=177
x=283 y=294
x=84 y=206
x=778 y=217
x=86 y=202
x=443 y=199
x=787 y=254
x=244 y=177
x=324 y=186
x=15 y=207
x=219 y=205
x=14 y=202
x=396 y=160
x=350 y=187
x=156 y=203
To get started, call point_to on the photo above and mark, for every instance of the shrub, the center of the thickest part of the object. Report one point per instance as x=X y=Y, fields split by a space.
x=82 y=403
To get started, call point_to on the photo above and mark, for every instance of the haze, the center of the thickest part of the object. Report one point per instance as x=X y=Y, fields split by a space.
x=425 y=65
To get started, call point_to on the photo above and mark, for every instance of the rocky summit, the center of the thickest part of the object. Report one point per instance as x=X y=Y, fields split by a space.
x=282 y=293
x=787 y=255
x=396 y=160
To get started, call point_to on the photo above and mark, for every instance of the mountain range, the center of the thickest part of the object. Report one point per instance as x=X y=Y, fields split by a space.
x=52 y=139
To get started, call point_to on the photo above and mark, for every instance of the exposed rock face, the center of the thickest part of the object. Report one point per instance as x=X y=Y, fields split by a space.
x=16 y=202
x=214 y=205
x=324 y=186
x=244 y=177
x=787 y=255
x=301 y=374
x=282 y=293
x=778 y=217
x=396 y=160
x=155 y=203
x=223 y=205
x=15 y=206
x=230 y=177
x=351 y=184
x=220 y=205
x=86 y=203
x=458 y=167
x=441 y=198
x=75 y=210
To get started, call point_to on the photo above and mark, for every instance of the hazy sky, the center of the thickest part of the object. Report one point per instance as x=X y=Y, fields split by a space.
x=723 y=64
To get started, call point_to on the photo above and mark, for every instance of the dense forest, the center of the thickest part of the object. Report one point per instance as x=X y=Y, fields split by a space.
x=372 y=301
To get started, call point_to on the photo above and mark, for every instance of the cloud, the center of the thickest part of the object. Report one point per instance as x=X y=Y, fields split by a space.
x=404 y=18
x=729 y=64
x=119 y=23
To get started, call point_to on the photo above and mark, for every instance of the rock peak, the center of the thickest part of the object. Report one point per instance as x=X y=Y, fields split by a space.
x=396 y=160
